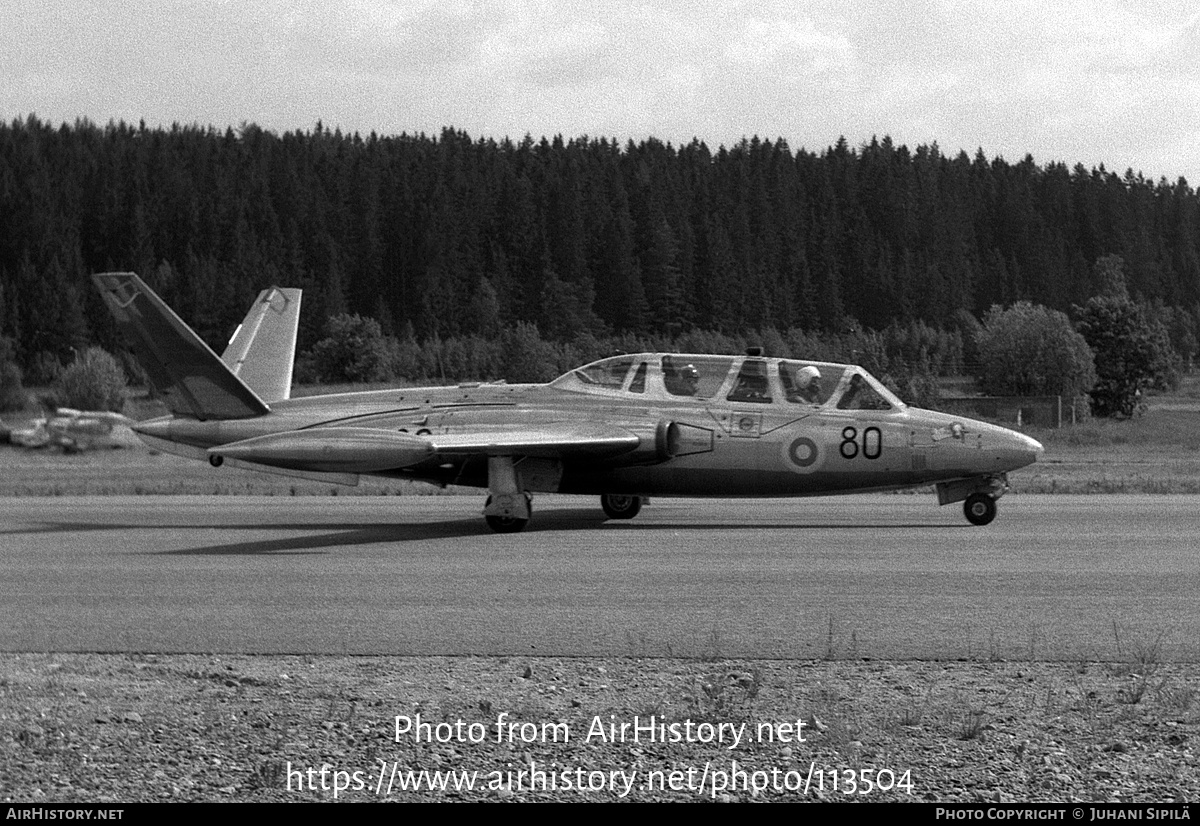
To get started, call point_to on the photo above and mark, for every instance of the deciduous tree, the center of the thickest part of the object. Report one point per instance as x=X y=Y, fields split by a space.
x=1030 y=350
x=1132 y=353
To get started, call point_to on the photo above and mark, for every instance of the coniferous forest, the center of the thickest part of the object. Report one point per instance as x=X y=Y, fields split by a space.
x=437 y=237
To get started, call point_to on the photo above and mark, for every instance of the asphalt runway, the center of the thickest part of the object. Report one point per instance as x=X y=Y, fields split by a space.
x=1105 y=577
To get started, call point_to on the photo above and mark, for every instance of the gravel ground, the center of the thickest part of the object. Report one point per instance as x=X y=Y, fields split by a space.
x=128 y=728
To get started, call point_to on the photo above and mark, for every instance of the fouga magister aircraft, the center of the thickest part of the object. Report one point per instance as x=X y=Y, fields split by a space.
x=624 y=428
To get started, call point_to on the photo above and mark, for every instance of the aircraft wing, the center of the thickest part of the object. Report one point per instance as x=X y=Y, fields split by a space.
x=555 y=441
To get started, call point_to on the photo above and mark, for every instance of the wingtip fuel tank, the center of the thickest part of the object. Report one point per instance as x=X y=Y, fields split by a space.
x=330 y=450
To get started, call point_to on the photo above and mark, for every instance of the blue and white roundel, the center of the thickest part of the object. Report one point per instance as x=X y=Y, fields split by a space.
x=802 y=454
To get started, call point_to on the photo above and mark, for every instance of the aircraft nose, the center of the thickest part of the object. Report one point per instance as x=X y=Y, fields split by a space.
x=1036 y=447
x=1024 y=450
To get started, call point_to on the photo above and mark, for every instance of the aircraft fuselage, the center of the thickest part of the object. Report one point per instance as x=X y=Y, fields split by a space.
x=694 y=448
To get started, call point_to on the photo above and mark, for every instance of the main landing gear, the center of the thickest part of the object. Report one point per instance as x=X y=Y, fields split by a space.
x=620 y=505
x=507 y=508
x=507 y=522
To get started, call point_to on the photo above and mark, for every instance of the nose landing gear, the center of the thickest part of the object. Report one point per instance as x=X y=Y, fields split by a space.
x=978 y=495
x=979 y=508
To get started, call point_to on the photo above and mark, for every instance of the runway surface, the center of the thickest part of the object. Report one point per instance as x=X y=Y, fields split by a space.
x=895 y=577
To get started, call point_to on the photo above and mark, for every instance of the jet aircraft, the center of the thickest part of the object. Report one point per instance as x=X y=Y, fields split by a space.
x=624 y=428
x=74 y=430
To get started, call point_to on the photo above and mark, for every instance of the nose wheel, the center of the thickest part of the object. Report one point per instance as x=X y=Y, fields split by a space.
x=979 y=508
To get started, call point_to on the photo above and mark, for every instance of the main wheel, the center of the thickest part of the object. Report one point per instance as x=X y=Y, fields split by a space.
x=980 y=509
x=620 y=506
x=506 y=524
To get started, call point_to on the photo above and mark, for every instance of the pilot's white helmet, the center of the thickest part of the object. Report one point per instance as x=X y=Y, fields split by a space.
x=808 y=374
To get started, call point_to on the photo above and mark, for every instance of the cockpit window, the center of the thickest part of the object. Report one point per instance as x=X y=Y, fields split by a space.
x=733 y=379
x=609 y=373
x=698 y=377
x=861 y=394
x=751 y=384
x=680 y=379
x=805 y=383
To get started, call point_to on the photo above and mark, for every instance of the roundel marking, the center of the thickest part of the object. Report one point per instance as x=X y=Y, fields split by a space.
x=803 y=452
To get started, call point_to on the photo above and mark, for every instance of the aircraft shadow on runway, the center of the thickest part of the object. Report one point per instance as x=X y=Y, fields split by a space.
x=332 y=534
x=344 y=534
x=776 y=526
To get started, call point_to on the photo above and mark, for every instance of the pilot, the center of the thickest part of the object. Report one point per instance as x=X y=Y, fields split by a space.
x=684 y=381
x=808 y=385
x=689 y=379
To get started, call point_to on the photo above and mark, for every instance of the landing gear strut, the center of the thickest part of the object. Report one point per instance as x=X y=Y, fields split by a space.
x=507 y=508
x=620 y=506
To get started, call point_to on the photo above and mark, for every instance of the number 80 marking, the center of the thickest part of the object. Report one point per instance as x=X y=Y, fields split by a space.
x=872 y=443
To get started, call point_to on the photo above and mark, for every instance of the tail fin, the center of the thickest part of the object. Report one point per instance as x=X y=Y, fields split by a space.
x=185 y=372
x=263 y=349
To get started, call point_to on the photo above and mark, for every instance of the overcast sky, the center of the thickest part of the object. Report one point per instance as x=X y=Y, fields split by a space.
x=1114 y=83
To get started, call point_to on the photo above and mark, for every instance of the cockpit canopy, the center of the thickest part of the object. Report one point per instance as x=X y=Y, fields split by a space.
x=673 y=377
